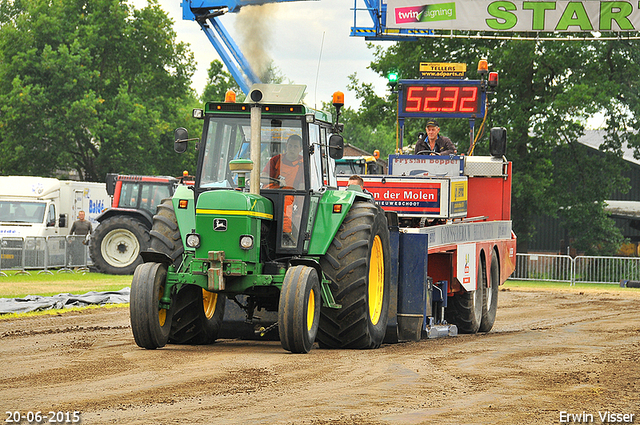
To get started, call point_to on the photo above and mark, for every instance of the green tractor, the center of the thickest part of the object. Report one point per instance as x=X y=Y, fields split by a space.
x=265 y=229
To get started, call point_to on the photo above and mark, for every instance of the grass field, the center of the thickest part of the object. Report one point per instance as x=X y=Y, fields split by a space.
x=565 y=286
x=18 y=285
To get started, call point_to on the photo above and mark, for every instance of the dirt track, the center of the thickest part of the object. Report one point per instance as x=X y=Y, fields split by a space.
x=549 y=352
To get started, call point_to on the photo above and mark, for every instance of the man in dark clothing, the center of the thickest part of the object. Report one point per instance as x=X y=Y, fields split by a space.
x=81 y=226
x=434 y=144
x=77 y=252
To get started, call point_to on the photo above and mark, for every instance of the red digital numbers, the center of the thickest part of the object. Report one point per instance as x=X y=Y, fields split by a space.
x=441 y=99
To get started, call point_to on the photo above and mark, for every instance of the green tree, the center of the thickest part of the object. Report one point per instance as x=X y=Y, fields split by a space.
x=373 y=125
x=219 y=82
x=547 y=91
x=91 y=87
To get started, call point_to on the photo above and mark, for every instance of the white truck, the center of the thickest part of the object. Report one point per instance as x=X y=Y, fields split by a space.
x=40 y=206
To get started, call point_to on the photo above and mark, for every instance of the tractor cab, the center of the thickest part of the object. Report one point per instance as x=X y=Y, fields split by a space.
x=292 y=163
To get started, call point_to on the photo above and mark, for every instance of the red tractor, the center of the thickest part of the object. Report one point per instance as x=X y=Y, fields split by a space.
x=124 y=228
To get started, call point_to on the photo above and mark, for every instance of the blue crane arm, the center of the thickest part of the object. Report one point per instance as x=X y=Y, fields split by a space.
x=231 y=5
x=377 y=11
x=207 y=13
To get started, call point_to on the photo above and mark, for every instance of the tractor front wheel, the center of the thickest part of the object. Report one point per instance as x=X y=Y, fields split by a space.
x=299 y=309
x=149 y=322
x=358 y=265
x=197 y=316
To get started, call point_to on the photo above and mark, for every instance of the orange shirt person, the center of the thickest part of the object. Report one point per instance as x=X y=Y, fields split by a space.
x=288 y=165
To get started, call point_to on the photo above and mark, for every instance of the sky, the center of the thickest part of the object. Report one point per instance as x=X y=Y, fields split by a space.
x=308 y=42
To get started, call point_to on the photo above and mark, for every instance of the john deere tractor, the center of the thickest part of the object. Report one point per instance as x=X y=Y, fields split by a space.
x=265 y=229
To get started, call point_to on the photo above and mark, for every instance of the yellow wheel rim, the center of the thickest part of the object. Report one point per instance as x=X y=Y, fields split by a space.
x=376 y=280
x=162 y=312
x=209 y=301
x=311 y=309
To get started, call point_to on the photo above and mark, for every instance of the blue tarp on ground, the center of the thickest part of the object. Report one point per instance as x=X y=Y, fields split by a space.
x=37 y=302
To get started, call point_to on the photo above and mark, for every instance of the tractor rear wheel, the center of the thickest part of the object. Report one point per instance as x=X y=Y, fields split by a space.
x=150 y=323
x=165 y=234
x=358 y=265
x=116 y=245
x=490 y=299
x=299 y=309
x=197 y=316
x=465 y=310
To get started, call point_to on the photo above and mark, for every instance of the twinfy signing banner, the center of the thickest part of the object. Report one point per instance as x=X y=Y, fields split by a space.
x=525 y=16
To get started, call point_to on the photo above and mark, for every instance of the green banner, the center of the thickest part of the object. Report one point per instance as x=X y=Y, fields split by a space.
x=515 y=16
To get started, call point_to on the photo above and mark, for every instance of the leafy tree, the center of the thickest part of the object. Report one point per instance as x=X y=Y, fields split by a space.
x=90 y=86
x=220 y=81
x=547 y=91
x=359 y=131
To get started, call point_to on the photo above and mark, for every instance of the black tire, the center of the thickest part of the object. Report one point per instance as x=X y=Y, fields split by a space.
x=197 y=316
x=197 y=313
x=465 y=310
x=358 y=265
x=117 y=243
x=490 y=298
x=165 y=234
x=149 y=323
x=299 y=309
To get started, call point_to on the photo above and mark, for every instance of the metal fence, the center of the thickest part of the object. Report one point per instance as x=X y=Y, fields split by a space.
x=65 y=253
x=583 y=269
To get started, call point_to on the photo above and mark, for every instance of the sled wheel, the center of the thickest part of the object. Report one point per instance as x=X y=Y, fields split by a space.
x=116 y=245
x=150 y=323
x=490 y=299
x=358 y=265
x=465 y=310
x=299 y=309
x=197 y=316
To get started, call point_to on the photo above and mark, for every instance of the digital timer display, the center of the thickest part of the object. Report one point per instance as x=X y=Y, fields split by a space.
x=441 y=100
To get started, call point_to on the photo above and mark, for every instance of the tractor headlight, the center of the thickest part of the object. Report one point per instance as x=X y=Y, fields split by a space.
x=193 y=240
x=246 y=241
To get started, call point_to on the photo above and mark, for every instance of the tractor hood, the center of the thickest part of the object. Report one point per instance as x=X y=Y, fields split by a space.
x=234 y=202
x=225 y=217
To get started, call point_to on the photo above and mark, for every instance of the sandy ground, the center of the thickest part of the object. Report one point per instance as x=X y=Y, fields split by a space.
x=551 y=354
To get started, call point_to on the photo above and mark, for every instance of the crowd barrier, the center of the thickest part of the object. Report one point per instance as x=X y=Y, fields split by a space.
x=68 y=253
x=581 y=269
x=64 y=253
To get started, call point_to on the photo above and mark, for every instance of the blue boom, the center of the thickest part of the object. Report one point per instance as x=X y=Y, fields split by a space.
x=206 y=13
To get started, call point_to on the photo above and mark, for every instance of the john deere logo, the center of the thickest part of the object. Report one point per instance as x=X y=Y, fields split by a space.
x=220 y=224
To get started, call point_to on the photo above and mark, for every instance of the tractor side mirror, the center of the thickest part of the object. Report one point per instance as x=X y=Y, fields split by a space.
x=498 y=142
x=62 y=220
x=111 y=183
x=180 y=137
x=336 y=146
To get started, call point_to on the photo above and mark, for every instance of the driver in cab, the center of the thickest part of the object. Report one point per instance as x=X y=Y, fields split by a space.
x=434 y=143
x=287 y=166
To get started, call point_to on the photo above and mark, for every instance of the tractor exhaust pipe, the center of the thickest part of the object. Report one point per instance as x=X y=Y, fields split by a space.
x=256 y=130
